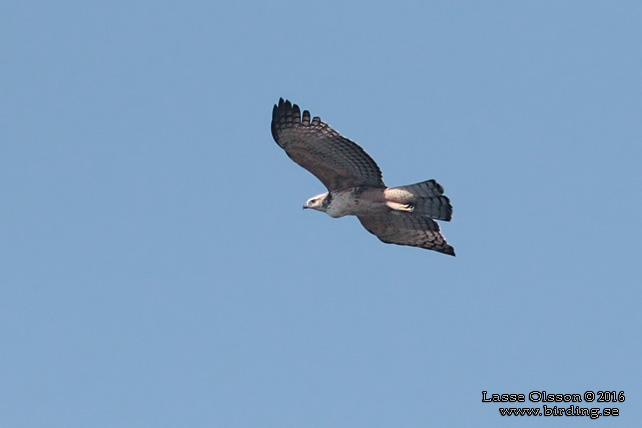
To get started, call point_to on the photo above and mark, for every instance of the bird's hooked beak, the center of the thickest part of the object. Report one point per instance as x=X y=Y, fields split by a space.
x=306 y=205
x=315 y=203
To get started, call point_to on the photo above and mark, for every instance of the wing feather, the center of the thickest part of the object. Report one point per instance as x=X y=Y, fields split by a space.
x=335 y=160
x=403 y=228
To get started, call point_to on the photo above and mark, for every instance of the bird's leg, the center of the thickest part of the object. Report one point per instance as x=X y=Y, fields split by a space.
x=400 y=207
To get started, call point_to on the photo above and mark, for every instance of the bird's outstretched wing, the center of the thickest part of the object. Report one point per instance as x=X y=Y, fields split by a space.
x=406 y=229
x=338 y=162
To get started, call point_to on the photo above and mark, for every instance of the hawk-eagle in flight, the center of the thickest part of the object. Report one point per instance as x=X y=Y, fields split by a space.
x=396 y=215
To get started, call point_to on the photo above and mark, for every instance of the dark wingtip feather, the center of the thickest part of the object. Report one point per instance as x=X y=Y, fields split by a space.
x=278 y=112
x=283 y=113
x=297 y=112
x=275 y=119
x=305 y=119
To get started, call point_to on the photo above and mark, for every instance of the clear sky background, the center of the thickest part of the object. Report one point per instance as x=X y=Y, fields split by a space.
x=157 y=269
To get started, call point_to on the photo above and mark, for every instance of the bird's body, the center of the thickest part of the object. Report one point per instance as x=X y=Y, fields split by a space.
x=398 y=215
x=354 y=201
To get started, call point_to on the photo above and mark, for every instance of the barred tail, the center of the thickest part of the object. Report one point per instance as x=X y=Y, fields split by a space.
x=437 y=207
x=425 y=198
x=425 y=189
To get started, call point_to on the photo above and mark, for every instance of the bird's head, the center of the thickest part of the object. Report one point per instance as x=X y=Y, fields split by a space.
x=318 y=202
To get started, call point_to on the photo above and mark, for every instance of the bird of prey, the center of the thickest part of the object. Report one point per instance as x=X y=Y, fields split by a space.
x=402 y=215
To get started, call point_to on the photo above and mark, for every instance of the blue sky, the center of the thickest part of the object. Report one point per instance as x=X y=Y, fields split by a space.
x=156 y=266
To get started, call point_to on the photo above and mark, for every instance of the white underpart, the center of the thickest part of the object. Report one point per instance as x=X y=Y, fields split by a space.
x=345 y=203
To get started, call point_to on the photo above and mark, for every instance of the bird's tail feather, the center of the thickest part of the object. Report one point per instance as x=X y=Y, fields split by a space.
x=425 y=189
x=437 y=207
x=425 y=198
